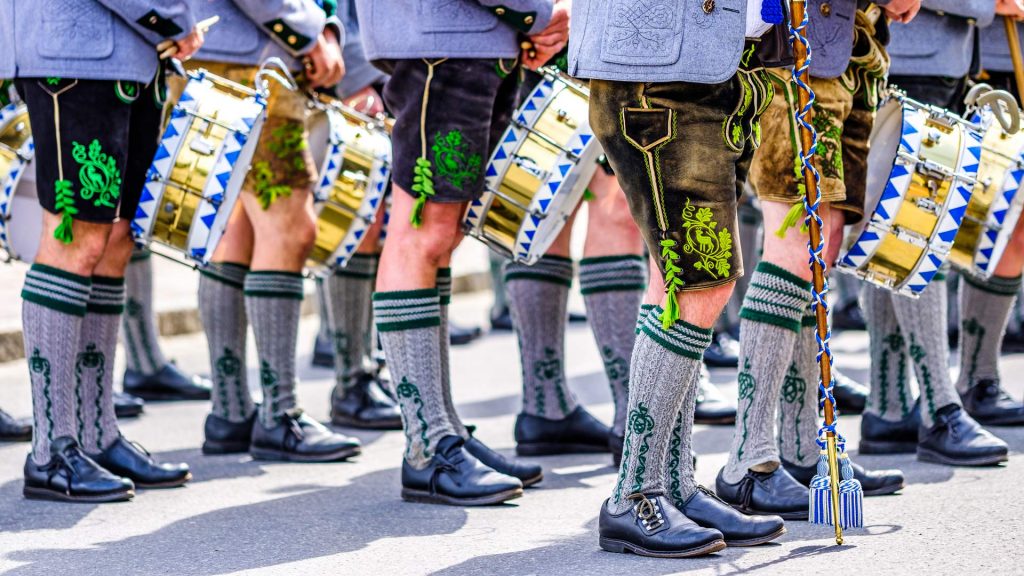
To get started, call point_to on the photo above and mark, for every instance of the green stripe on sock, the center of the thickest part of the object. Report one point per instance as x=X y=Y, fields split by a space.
x=995 y=284
x=51 y=271
x=607 y=259
x=405 y=294
x=774 y=320
x=773 y=270
x=58 y=305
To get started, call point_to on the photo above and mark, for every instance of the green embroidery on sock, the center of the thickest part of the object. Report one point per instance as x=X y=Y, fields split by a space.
x=453 y=161
x=422 y=184
x=617 y=370
x=93 y=359
x=746 y=392
x=269 y=380
x=642 y=424
x=975 y=329
x=228 y=366
x=674 y=459
x=712 y=246
x=38 y=364
x=98 y=176
x=408 y=390
x=64 y=204
x=341 y=342
x=133 y=308
x=918 y=354
x=266 y=191
x=793 y=389
x=549 y=370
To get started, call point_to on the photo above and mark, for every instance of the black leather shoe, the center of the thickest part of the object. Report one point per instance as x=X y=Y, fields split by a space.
x=712 y=406
x=527 y=472
x=128 y=406
x=710 y=511
x=724 y=351
x=167 y=385
x=365 y=405
x=577 y=318
x=71 y=476
x=849 y=317
x=654 y=527
x=455 y=477
x=766 y=493
x=462 y=335
x=957 y=440
x=851 y=396
x=223 y=436
x=13 y=429
x=501 y=320
x=615 y=444
x=299 y=438
x=878 y=436
x=874 y=482
x=577 y=433
x=990 y=405
x=323 y=352
x=132 y=461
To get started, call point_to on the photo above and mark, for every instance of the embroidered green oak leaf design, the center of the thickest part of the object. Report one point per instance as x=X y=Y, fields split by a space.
x=97 y=174
x=287 y=142
x=747 y=384
x=673 y=283
x=550 y=369
x=406 y=390
x=93 y=359
x=614 y=367
x=423 y=185
x=793 y=389
x=713 y=247
x=64 y=204
x=228 y=366
x=39 y=364
x=641 y=423
x=452 y=161
x=266 y=191
x=830 y=147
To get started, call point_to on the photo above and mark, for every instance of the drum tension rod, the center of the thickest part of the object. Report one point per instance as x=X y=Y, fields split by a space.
x=547 y=140
x=518 y=204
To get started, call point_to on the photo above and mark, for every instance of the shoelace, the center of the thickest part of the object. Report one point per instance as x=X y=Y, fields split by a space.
x=444 y=466
x=647 y=511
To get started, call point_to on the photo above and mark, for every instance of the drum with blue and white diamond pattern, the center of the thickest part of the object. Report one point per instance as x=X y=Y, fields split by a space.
x=21 y=217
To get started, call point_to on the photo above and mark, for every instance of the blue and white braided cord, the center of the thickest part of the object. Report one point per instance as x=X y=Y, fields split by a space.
x=819 y=299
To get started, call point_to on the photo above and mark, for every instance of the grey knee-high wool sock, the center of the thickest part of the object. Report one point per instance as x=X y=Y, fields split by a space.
x=798 y=410
x=53 y=306
x=222 y=311
x=613 y=287
x=139 y=327
x=322 y=308
x=94 y=365
x=985 y=307
x=538 y=296
x=890 y=396
x=444 y=293
x=348 y=293
x=923 y=321
x=409 y=323
x=664 y=367
x=769 y=328
x=273 y=300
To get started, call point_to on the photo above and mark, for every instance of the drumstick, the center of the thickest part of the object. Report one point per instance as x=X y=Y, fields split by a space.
x=168 y=48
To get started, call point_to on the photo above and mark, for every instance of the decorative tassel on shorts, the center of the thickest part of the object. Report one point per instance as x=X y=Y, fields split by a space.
x=672 y=283
x=423 y=184
x=794 y=216
x=851 y=496
x=820 y=496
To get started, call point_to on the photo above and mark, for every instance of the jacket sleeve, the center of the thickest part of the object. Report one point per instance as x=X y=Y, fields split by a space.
x=294 y=24
x=982 y=11
x=527 y=16
x=157 y=20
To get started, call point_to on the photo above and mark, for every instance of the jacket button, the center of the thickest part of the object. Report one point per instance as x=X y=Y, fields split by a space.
x=278 y=27
x=153 y=19
x=292 y=39
x=826 y=9
x=708 y=6
x=528 y=20
x=499 y=11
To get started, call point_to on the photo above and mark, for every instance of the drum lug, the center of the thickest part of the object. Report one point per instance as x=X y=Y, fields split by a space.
x=201 y=145
x=928 y=205
x=564 y=118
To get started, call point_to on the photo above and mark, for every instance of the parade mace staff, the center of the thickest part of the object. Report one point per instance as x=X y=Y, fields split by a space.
x=832 y=501
x=1013 y=39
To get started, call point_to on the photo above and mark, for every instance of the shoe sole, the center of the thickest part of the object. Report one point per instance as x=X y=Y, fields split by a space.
x=33 y=493
x=217 y=448
x=527 y=482
x=13 y=439
x=885 y=490
x=886 y=447
x=128 y=413
x=280 y=456
x=423 y=497
x=158 y=397
x=162 y=485
x=797 y=515
x=1015 y=421
x=550 y=449
x=925 y=455
x=721 y=421
x=348 y=422
x=756 y=541
x=621 y=547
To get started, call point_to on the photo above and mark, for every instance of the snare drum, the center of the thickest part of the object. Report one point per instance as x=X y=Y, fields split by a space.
x=922 y=166
x=353 y=152
x=199 y=167
x=21 y=217
x=538 y=172
x=995 y=206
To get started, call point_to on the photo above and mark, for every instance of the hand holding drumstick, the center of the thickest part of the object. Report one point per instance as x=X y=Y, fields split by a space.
x=184 y=49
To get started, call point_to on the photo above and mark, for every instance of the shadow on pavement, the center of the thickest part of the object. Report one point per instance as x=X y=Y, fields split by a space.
x=317 y=523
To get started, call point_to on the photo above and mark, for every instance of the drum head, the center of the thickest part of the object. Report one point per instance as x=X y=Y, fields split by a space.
x=884 y=142
x=26 y=223
x=319 y=135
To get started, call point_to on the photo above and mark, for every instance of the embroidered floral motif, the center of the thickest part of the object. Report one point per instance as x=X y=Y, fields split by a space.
x=93 y=359
x=918 y=354
x=97 y=174
x=53 y=80
x=408 y=391
x=793 y=389
x=228 y=366
x=452 y=160
x=747 y=384
x=641 y=423
x=713 y=247
x=65 y=205
x=266 y=191
x=830 y=145
x=641 y=28
x=422 y=184
x=673 y=283
x=269 y=380
x=617 y=370
x=674 y=459
x=40 y=365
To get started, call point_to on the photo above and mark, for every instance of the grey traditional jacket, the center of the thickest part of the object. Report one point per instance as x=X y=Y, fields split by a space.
x=831 y=35
x=940 y=40
x=359 y=73
x=88 y=39
x=995 y=51
x=402 y=29
x=250 y=31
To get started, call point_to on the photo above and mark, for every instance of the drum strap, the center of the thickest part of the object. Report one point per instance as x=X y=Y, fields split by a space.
x=423 y=176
